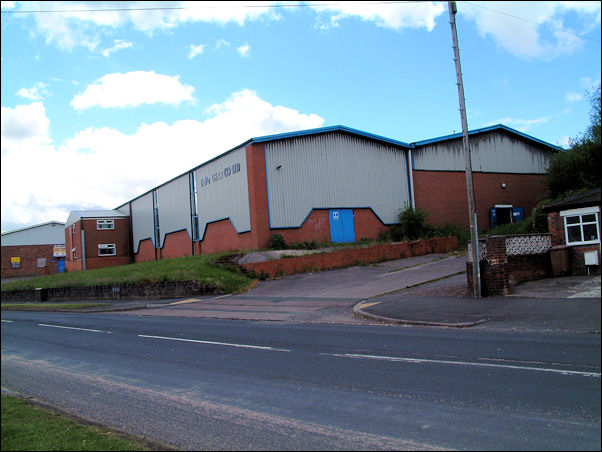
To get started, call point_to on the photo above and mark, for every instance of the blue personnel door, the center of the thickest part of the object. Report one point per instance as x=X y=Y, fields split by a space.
x=342 y=228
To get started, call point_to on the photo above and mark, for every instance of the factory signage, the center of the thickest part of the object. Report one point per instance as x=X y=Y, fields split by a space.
x=59 y=251
x=15 y=262
x=219 y=175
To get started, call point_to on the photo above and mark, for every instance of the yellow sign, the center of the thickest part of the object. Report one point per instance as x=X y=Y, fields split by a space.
x=15 y=262
x=59 y=251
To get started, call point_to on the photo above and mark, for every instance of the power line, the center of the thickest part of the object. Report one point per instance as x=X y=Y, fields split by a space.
x=290 y=5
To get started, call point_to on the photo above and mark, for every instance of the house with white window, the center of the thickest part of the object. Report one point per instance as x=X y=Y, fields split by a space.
x=574 y=224
x=96 y=239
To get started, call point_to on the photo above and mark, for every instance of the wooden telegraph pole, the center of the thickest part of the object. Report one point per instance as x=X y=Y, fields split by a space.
x=474 y=233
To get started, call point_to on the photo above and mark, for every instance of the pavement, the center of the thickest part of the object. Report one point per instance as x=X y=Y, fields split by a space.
x=426 y=290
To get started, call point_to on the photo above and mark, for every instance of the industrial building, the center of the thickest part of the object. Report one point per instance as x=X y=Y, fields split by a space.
x=34 y=250
x=332 y=184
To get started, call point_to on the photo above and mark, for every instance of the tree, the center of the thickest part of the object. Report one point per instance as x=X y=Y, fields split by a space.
x=578 y=168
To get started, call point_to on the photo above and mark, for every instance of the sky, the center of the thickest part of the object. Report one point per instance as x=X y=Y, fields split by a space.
x=103 y=101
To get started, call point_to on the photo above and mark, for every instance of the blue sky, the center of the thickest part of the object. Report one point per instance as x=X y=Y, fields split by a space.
x=102 y=101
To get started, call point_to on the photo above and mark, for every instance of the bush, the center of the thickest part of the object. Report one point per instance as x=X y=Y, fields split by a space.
x=277 y=242
x=412 y=225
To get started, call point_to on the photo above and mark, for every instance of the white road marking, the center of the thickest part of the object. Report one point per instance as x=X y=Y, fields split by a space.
x=258 y=347
x=7 y=321
x=72 y=328
x=465 y=363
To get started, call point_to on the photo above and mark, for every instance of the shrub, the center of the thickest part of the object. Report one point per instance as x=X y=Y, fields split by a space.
x=277 y=242
x=412 y=224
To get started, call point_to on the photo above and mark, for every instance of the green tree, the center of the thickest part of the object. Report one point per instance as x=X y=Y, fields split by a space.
x=578 y=168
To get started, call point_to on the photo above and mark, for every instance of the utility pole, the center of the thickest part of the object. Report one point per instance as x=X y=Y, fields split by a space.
x=474 y=233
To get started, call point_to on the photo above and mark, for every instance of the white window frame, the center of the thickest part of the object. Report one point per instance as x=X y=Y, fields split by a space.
x=107 y=246
x=580 y=213
x=102 y=225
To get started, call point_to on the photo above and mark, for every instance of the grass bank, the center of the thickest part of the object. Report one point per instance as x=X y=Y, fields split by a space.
x=225 y=278
x=30 y=427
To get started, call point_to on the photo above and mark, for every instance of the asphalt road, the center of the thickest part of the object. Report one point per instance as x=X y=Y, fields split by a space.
x=239 y=385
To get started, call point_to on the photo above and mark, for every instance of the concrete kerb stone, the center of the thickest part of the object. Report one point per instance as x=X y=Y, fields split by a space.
x=357 y=310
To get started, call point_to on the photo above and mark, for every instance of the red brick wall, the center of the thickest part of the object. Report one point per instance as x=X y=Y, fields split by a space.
x=176 y=244
x=443 y=194
x=146 y=251
x=29 y=255
x=73 y=240
x=316 y=227
x=221 y=236
x=353 y=256
x=258 y=196
x=120 y=236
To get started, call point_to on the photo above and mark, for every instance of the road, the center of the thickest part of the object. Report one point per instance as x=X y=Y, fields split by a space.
x=224 y=384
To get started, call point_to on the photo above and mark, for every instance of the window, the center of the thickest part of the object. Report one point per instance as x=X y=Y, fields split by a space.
x=74 y=253
x=107 y=249
x=41 y=262
x=105 y=224
x=581 y=225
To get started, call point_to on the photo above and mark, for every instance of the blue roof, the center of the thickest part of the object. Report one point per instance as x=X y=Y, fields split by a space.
x=487 y=129
x=300 y=133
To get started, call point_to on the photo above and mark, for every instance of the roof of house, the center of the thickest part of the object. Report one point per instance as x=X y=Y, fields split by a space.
x=75 y=216
x=338 y=128
x=485 y=130
x=585 y=199
x=351 y=131
x=49 y=233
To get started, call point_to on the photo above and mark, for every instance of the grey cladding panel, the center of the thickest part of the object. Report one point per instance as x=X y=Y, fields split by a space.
x=334 y=171
x=223 y=192
x=492 y=152
x=142 y=219
x=174 y=206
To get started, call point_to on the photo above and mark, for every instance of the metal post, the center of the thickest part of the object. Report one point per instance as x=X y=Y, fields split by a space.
x=474 y=234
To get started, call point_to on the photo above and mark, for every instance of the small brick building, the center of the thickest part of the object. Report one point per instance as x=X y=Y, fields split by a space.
x=574 y=224
x=34 y=250
x=96 y=239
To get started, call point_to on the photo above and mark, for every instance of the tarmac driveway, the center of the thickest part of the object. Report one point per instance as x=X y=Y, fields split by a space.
x=327 y=296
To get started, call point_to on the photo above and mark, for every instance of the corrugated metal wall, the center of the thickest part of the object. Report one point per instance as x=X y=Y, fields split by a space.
x=142 y=219
x=174 y=206
x=492 y=152
x=223 y=192
x=48 y=234
x=334 y=171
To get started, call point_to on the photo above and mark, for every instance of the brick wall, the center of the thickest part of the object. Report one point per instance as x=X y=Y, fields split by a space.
x=576 y=258
x=443 y=194
x=29 y=255
x=500 y=272
x=352 y=256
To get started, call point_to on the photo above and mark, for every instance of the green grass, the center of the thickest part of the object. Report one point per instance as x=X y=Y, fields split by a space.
x=29 y=427
x=192 y=268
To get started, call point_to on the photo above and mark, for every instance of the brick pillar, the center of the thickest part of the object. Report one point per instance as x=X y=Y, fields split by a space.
x=258 y=196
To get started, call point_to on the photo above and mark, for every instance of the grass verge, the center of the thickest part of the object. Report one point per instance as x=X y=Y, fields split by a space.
x=30 y=427
x=226 y=279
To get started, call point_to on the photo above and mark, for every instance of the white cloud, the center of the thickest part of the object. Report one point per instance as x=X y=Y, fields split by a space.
x=37 y=92
x=195 y=50
x=523 y=125
x=119 y=44
x=133 y=89
x=532 y=30
x=244 y=50
x=103 y=168
x=573 y=97
x=395 y=16
x=80 y=25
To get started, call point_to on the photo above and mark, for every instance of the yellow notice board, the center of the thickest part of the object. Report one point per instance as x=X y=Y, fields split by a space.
x=59 y=251
x=15 y=262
